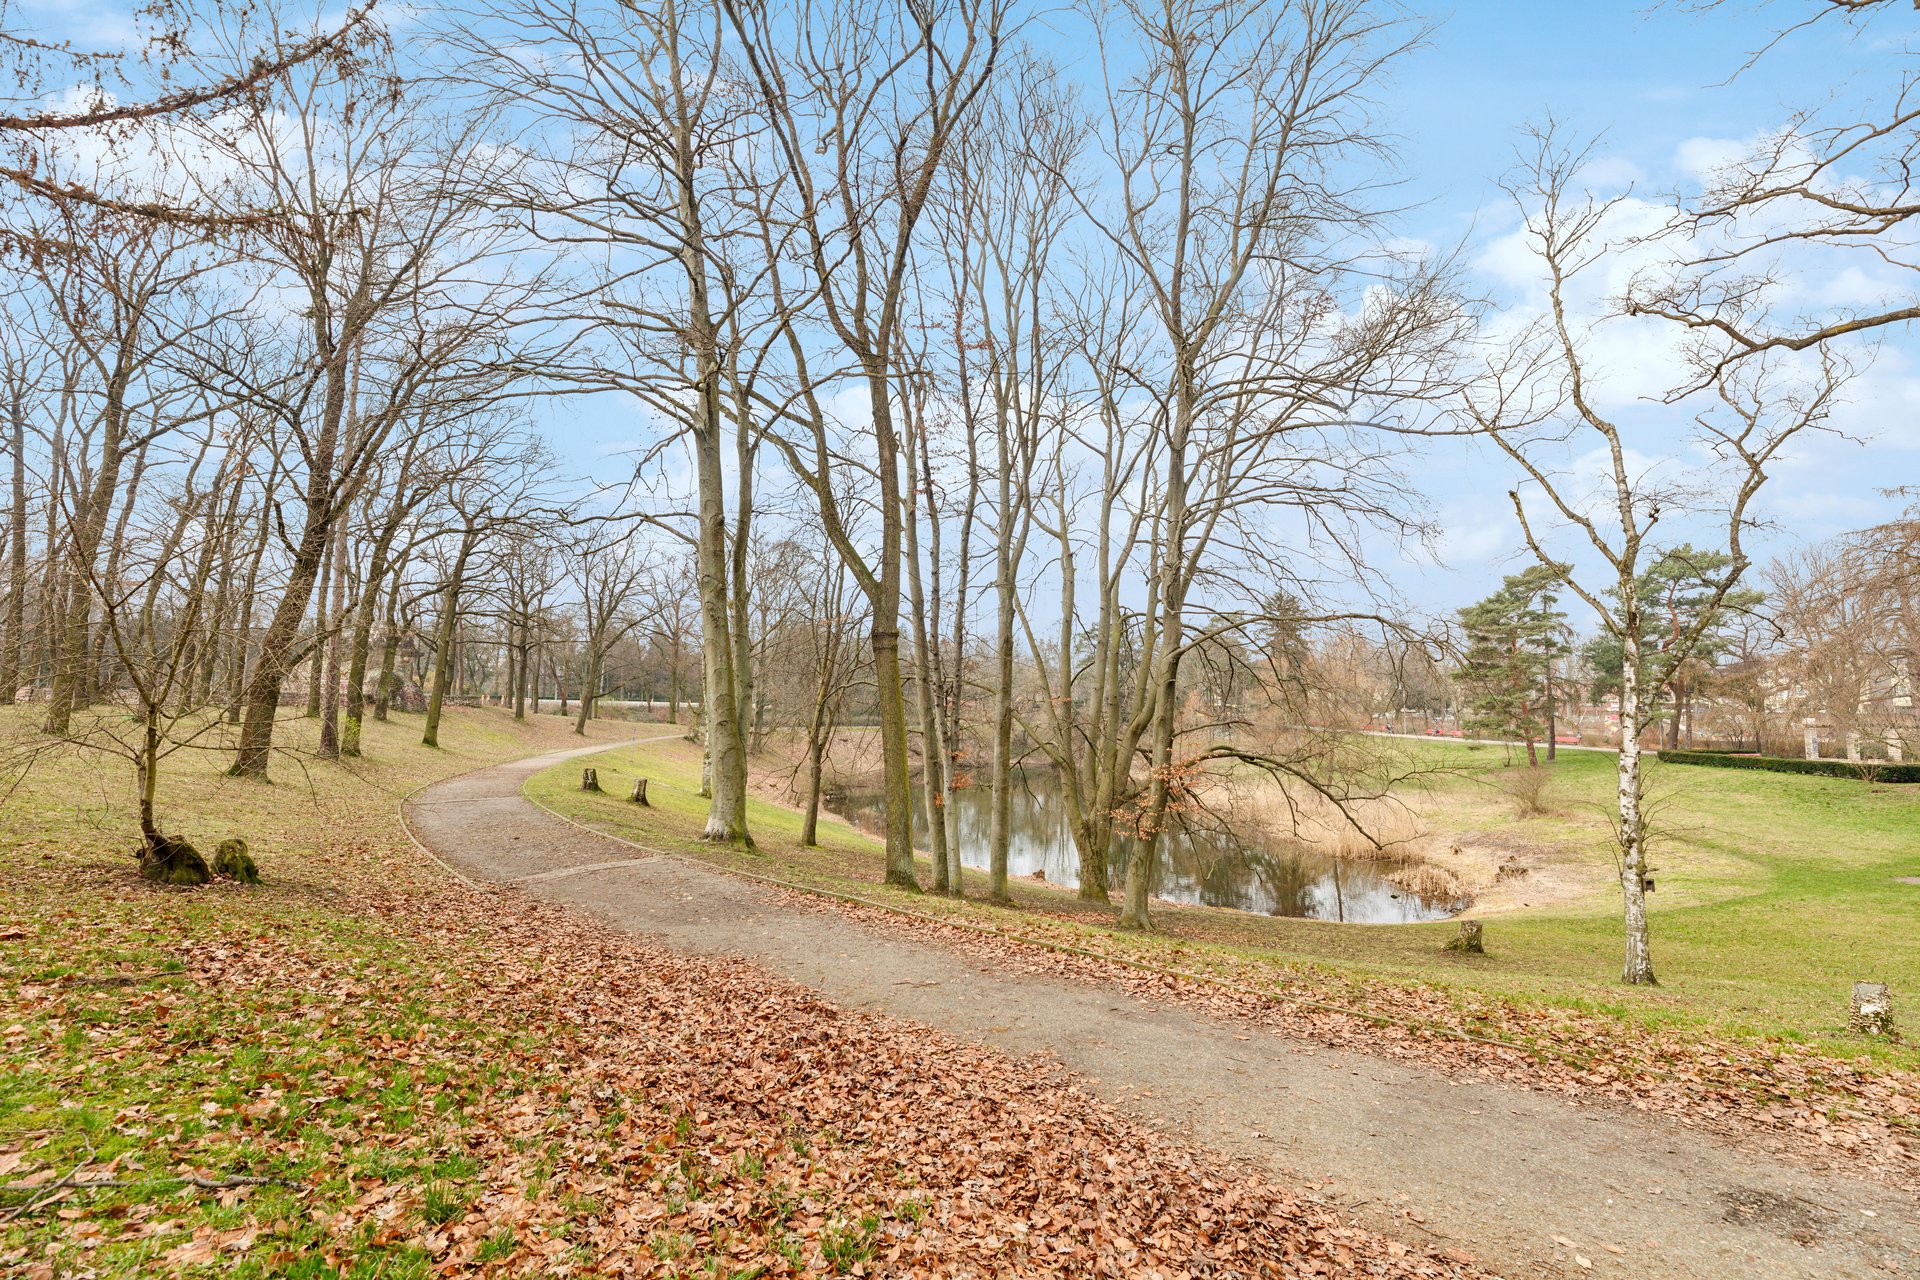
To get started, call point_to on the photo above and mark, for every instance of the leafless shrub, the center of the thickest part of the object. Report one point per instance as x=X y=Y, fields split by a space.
x=1527 y=788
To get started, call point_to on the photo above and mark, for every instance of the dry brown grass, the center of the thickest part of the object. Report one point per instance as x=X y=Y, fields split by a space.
x=1429 y=880
x=1294 y=812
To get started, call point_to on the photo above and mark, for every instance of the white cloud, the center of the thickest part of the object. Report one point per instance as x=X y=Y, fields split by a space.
x=1610 y=173
x=1698 y=159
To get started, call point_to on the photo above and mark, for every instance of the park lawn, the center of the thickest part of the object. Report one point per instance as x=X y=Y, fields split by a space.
x=1775 y=892
x=378 y=1073
x=282 y=1031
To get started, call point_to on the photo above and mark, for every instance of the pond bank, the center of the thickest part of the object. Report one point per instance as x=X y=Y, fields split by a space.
x=1208 y=865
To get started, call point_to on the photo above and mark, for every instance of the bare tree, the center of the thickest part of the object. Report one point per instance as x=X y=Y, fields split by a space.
x=1238 y=133
x=489 y=490
x=608 y=572
x=1539 y=405
x=380 y=237
x=1831 y=186
x=123 y=299
x=863 y=102
x=235 y=52
x=1002 y=225
x=647 y=179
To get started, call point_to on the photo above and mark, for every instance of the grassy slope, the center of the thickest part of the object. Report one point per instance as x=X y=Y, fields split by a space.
x=1775 y=893
x=440 y=1081
x=120 y=1054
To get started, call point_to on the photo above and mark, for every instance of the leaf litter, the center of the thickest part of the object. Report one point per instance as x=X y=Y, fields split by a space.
x=364 y=1070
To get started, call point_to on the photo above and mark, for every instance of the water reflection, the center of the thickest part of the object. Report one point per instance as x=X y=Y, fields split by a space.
x=1200 y=867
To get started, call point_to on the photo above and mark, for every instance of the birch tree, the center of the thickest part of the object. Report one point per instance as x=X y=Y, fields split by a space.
x=1540 y=405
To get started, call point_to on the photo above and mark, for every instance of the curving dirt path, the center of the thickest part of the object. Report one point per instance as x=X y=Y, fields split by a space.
x=1529 y=1184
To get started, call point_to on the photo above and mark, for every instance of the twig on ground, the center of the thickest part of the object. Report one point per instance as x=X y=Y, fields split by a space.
x=50 y=1192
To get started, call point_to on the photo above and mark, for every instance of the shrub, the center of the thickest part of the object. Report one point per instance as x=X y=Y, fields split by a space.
x=1527 y=788
x=1866 y=770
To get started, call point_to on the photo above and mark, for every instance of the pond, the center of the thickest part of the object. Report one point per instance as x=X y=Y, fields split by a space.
x=1204 y=868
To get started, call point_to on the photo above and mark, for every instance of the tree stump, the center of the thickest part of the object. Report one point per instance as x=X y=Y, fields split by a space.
x=231 y=859
x=1872 y=1009
x=1470 y=940
x=639 y=795
x=166 y=860
x=589 y=779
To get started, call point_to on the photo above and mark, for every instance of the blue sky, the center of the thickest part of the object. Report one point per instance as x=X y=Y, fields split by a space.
x=1655 y=81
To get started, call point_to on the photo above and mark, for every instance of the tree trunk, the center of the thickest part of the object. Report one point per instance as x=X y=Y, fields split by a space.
x=322 y=503
x=933 y=748
x=330 y=746
x=885 y=599
x=389 y=651
x=510 y=682
x=98 y=677
x=1638 y=968
x=444 y=640
x=1000 y=820
x=1553 y=716
x=673 y=684
x=243 y=632
x=14 y=656
x=951 y=697
x=69 y=635
x=1141 y=868
x=816 y=747
x=727 y=812
x=521 y=652
x=739 y=588
x=589 y=686
x=361 y=649
x=217 y=622
x=322 y=620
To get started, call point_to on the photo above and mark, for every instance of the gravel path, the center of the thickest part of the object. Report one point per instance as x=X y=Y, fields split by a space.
x=1529 y=1184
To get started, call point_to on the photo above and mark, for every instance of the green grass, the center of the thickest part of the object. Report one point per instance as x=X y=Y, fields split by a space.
x=1775 y=892
x=333 y=1062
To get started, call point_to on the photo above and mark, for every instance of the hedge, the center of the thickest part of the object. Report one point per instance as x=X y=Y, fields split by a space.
x=1872 y=770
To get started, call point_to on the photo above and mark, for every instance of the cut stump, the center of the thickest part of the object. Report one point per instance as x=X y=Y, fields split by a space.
x=639 y=795
x=589 y=779
x=1471 y=939
x=166 y=860
x=1872 y=1012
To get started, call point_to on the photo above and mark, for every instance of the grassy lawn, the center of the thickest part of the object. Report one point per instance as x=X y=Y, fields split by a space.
x=282 y=1032
x=363 y=1070
x=1775 y=892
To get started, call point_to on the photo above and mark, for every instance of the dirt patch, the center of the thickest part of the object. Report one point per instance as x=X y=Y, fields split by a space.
x=1505 y=872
